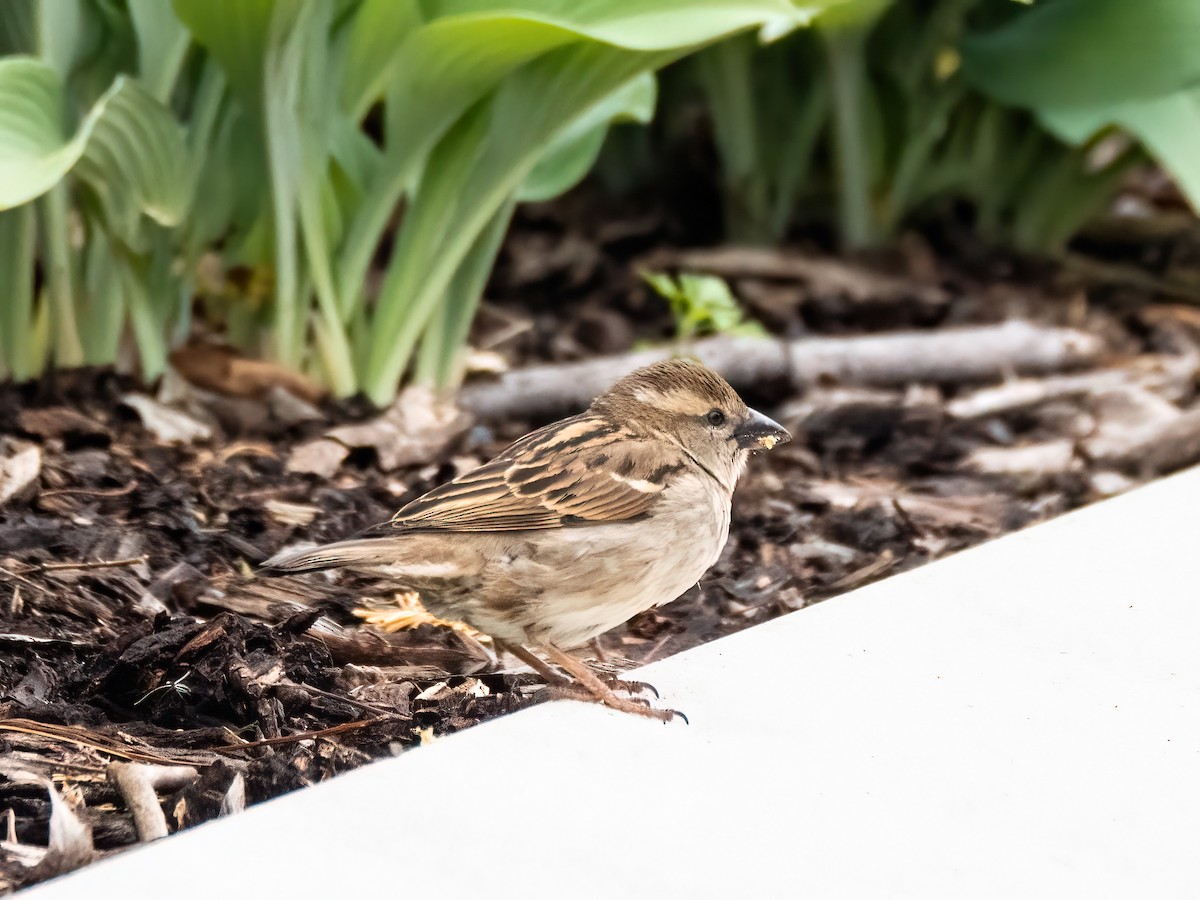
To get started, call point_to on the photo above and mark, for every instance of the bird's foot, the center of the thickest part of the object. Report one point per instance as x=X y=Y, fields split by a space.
x=610 y=697
x=589 y=686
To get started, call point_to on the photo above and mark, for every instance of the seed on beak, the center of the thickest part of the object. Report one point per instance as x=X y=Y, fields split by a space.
x=760 y=432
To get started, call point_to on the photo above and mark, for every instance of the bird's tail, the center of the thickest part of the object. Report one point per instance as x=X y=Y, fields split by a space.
x=342 y=554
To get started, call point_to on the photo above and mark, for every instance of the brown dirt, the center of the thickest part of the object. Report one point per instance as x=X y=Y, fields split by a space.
x=130 y=611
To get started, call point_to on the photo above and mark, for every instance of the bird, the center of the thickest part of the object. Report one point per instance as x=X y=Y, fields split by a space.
x=577 y=526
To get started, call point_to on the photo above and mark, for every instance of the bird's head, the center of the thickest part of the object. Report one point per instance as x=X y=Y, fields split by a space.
x=689 y=404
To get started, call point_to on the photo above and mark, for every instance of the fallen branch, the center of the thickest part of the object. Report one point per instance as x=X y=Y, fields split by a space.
x=952 y=355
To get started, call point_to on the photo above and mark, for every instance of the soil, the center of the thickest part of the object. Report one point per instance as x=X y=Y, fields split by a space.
x=133 y=626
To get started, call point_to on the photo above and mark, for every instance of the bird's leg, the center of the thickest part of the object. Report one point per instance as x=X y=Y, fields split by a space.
x=601 y=692
x=534 y=662
x=564 y=685
x=601 y=656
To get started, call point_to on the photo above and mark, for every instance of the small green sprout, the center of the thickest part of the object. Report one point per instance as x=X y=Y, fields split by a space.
x=702 y=304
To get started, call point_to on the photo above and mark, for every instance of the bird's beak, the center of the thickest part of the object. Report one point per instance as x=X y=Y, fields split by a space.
x=760 y=433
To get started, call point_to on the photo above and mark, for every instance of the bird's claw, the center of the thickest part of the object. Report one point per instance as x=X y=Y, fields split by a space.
x=633 y=687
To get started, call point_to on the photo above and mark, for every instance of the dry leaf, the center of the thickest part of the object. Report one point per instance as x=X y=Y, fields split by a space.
x=168 y=425
x=222 y=369
x=414 y=429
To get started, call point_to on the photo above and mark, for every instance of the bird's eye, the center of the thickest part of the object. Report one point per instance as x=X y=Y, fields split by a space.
x=716 y=418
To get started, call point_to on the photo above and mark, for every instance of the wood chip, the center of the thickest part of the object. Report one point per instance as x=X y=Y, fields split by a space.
x=70 y=845
x=56 y=421
x=19 y=470
x=286 y=513
x=1048 y=458
x=322 y=457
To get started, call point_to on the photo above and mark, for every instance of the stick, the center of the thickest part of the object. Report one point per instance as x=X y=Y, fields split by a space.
x=84 y=566
x=953 y=355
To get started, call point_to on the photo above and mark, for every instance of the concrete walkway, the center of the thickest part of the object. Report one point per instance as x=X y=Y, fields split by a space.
x=1021 y=720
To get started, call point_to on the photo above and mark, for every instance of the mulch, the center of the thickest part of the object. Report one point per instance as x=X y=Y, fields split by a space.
x=133 y=626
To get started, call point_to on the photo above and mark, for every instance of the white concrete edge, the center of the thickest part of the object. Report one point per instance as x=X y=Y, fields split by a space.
x=1016 y=720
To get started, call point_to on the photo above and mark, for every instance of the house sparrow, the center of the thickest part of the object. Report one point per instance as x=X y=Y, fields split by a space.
x=577 y=526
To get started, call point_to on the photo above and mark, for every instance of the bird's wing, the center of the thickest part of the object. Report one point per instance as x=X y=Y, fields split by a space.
x=581 y=470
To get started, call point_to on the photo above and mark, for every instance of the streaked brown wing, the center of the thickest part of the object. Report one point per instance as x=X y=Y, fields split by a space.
x=580 y=470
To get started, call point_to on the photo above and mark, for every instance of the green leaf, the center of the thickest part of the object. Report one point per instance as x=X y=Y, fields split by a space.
x=648 y=26
x=370 y=58
x=468 y=47
x=16 y=287
x=551 y=71
x=34 y=153
x=137 y=162
x=17 y=27
x=440 y=355
x=856 y=14
x=62 y=32
x=573 y=152
x=162 y=41
x=103 y=306
x=236 y=33
x=1168 y=127
x=1064 y=53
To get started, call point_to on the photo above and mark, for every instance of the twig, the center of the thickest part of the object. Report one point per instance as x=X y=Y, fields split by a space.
x=81 y=737
x=913 y=530
x=950 y=355
x=369 y=707
x=16 y=576
x=94 y=492
x=308 y=735
x=885 y=561
x=83 y=566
